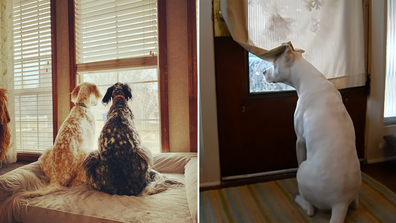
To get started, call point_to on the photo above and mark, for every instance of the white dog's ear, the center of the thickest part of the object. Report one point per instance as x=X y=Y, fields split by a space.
x=271 y=55
x=289 y=54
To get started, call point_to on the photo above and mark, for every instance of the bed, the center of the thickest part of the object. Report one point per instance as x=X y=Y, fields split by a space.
x=81 y=204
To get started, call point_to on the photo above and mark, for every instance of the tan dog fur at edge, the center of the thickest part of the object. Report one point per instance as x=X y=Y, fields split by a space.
x=5 y=135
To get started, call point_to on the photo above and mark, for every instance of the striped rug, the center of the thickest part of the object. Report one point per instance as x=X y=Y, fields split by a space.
x=274 y=202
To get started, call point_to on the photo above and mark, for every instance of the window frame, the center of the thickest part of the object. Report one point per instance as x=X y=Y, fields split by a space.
x=162 y=67
x=192 y=73
x=31 y=157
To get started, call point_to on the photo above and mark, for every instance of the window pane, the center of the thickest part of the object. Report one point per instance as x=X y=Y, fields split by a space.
x=257 y=81
x=32 y=75
x=390 y=81
x=144 y=103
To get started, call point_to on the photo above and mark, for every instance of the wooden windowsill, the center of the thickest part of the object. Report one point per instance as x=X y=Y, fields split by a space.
x=29 y=157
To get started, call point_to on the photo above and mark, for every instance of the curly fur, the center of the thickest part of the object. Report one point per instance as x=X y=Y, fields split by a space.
x=122 y=164
x=5 y=135
x=62 y=164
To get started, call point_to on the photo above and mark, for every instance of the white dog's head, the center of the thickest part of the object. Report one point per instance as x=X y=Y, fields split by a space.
x=282 y=59
x=86 y=93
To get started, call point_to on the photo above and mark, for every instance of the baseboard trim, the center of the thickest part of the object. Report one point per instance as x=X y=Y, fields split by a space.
x=209 y=184
x=380 y=160
x=252 y=175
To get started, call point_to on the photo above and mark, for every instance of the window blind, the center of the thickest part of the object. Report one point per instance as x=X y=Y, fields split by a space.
x=32 y=75
x=117 y=41
x=108 y=30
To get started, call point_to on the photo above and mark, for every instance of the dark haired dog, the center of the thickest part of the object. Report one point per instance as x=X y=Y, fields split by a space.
x=122 y=164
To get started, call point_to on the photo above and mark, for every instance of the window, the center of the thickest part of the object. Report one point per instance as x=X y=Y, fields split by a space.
x=390 y=83
x=117 y=41
x=257 y=82
x=32 y=75
x=333 y=43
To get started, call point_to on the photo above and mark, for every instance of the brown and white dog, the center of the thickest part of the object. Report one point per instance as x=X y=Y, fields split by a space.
x=5 y=135
x=62 y=164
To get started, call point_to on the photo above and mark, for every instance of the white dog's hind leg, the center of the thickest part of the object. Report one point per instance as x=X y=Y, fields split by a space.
x=338 y=213
x=301 y=151
x=305 y=205
x=355 y=203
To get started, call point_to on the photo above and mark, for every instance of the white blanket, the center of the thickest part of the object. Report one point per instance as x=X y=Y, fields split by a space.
x=81 y=204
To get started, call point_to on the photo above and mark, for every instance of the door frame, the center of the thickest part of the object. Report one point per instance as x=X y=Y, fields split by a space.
x=375 y=103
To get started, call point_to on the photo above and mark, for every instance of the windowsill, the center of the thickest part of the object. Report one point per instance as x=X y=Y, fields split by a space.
x=29 y=157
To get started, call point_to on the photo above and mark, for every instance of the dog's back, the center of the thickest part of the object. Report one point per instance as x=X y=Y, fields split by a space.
x=117 y=168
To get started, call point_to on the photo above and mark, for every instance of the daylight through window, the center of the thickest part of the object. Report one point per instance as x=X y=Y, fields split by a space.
x=117 y=41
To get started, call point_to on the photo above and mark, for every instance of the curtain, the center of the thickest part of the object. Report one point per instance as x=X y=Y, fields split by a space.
x=330 y=31
x=7 y=74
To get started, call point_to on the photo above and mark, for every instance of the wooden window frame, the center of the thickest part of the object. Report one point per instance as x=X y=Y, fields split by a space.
x=192 y=73
x=31 y=157
x=162 y=66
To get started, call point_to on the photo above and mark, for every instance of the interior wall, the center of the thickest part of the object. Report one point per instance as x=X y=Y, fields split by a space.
x=62 y=47
x=176 y=23
x=177 y=71
x=209 y=146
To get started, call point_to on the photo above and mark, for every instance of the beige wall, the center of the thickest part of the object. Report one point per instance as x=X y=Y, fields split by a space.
x=177 y=71
x=176 y=23
x=62 y=47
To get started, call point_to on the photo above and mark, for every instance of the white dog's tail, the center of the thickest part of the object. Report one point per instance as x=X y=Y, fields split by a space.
x=15 y=188
x=158 y=183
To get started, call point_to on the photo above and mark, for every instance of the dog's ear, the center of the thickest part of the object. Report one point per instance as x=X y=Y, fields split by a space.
x=127 y=91
x=289 y=54
x=74 y=94
x=108 y=95
x=95 y=94
x=271 y=55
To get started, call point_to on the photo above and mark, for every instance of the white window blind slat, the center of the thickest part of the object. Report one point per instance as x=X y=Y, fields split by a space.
x=32 y=75
x=94 y=48
x=149 y=15
x=108 y=10
x=128 y=29
x=41 y=16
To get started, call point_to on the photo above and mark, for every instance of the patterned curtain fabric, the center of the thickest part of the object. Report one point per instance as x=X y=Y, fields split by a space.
x=330 y=31
x=7 y=72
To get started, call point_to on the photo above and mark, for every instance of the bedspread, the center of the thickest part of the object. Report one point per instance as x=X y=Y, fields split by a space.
x=81 y=204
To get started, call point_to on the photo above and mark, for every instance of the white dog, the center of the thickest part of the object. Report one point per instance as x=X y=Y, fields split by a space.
x=329 y=174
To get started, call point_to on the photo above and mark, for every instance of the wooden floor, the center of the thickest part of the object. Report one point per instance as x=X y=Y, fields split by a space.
x=384 y=172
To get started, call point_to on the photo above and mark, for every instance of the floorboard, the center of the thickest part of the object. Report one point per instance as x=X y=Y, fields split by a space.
x=384 y=172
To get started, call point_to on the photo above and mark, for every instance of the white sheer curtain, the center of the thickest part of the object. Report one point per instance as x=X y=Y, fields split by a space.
x=7 y=74
x=330 y=31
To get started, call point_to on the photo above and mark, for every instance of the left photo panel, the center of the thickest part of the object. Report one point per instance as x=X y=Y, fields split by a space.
x=99 y=117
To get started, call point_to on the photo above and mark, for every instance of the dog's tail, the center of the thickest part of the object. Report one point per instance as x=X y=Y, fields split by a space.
x=91 y=163
x=16 y=188
x=157 y=183
x=145 y=154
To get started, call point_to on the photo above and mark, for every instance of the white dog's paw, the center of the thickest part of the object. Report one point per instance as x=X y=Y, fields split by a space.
x=305 y=205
